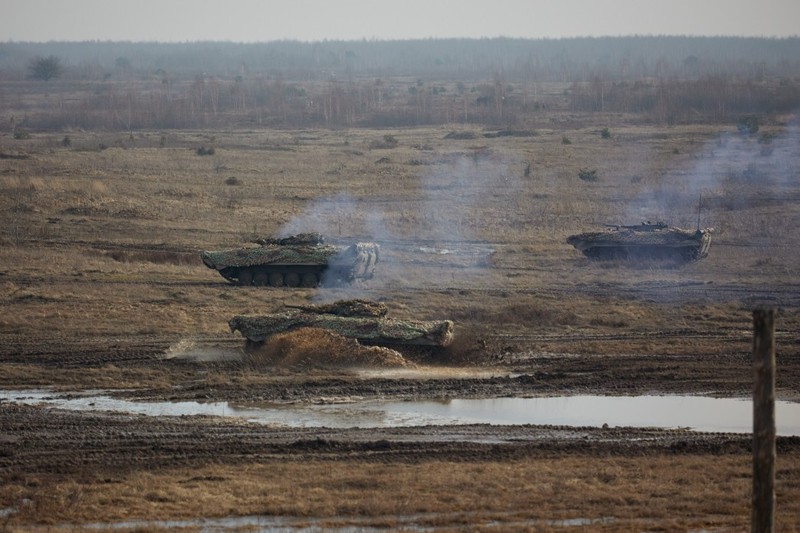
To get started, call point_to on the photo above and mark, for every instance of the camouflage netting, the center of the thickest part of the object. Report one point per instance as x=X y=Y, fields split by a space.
x=373 y=330
x=269 y=255
x=312 y=347
x=631 y=236
x=647 y=239
x=346 y=308
x=300 y=238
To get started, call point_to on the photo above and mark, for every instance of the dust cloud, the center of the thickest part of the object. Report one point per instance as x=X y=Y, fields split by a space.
x=198 y=351
x=452 y=193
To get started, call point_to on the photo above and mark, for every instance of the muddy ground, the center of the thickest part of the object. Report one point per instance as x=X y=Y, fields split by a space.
x=102 y=289
x=218 y=369
x=53 y=460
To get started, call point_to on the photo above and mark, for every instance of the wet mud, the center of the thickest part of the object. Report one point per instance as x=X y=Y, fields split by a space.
x=44 y=439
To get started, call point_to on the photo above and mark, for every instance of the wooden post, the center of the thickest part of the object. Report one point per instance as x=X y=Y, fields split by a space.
x=763 y=516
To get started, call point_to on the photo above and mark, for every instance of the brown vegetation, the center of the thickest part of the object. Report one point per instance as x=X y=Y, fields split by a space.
x=101 y=287
x=679 y=493
x=511 y=85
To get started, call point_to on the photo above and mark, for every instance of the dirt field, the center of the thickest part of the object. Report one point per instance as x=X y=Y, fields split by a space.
x=102 y=288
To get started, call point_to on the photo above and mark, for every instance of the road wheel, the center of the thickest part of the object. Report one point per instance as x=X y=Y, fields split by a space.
x=276 y=279
x=260 y=279
x=309 y=280
x=245 y=277
x=292 y=279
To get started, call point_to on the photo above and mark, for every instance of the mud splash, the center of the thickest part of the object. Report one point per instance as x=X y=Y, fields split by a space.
x=202 y=351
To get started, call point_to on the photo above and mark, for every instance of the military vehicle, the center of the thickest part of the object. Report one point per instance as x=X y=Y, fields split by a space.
x=302 y=260
x=655 y=241
x=362 y=320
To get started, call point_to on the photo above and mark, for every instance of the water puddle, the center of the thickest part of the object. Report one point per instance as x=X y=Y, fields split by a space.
x=694 y=412
x=418 y=522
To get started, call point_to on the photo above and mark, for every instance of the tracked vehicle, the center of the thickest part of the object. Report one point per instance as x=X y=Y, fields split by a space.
x=646 y=241
x=362 y=320
x=298 y=261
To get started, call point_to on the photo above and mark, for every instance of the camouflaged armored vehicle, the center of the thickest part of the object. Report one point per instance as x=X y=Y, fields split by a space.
x=655 y=241
x=299 y=261
x=362 y=320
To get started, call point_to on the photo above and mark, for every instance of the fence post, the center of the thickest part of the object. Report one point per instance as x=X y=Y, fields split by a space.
x=763 y=516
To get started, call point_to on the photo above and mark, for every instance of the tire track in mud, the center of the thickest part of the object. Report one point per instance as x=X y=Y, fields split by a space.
x=37 y=440
x=100 y=350
x=732 y=335
x=696 y=294
x=661 y=293
x=667 y=292
x=96 y=351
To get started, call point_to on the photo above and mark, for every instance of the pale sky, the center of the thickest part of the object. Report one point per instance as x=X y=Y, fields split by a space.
x=317 y=20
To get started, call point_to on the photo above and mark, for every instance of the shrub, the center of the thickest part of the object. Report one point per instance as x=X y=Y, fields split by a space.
x=588 y=175
x=205 y=151
x=605 y=134
x=389 y=141
x=21 y=135
x=45 y=68
x=747 y=125
x=565 y=140
x=510 y=133
x=767 y=137
x=466 y=135
x=66 y=142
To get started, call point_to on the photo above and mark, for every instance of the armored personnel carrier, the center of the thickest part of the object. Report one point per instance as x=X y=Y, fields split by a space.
x=655 y=241
x=362 y=320
x=302 y=260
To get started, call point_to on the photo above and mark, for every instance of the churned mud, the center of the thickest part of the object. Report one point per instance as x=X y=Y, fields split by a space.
x=220 y=370
x=52 y=458
x=104 y=296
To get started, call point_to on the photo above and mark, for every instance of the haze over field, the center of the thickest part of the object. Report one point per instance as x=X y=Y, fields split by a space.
x=317 y=20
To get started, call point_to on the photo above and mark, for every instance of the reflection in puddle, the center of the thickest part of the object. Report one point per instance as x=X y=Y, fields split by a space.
x=417 y=522
x=694 y=412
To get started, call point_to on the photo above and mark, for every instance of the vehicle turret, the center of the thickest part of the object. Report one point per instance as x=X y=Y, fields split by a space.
x=298 y=261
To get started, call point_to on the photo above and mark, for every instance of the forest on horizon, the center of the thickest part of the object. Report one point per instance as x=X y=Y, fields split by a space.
x=501 y=82
x=557 y=60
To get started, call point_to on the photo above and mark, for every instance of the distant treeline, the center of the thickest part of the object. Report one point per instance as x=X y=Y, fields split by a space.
x=498 y=82
x=544 y=60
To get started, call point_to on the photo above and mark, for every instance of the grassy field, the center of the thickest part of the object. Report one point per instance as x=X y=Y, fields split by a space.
x=526 y=494
x=134 y=211
x=101 y=234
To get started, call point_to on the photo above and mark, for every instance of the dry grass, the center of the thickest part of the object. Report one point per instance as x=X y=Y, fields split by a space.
x=668 y=493
x=453 y=191
x=99 y=243
x=106 y=241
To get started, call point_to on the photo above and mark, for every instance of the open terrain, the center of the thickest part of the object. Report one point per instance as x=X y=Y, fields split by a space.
x=102 y=288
